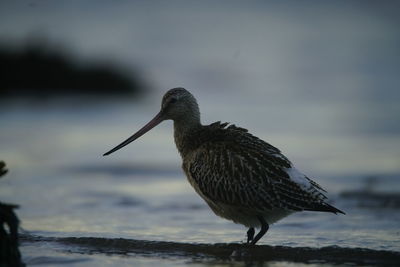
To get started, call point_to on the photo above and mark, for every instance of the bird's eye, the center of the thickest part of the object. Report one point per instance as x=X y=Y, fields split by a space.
x=172 y=100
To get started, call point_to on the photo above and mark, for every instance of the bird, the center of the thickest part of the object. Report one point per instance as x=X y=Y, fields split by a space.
x=241 y=177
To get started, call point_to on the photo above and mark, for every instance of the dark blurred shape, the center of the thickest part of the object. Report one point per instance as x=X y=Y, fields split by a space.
x=9 y=251
x=369 y=197
x=36 y=71
x=3 y=169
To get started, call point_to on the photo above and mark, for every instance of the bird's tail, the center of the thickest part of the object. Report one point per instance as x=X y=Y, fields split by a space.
x=325 y=207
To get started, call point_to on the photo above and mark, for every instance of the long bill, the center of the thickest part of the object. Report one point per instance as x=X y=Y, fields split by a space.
x=150 y=125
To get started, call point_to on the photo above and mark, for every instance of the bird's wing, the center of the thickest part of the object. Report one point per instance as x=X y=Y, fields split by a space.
x=253 y=174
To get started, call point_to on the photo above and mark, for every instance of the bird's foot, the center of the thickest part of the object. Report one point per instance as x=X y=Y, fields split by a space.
x=250 y=235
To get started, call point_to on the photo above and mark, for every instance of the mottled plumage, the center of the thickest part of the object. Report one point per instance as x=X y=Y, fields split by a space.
x=241 y=177
x=237 y=173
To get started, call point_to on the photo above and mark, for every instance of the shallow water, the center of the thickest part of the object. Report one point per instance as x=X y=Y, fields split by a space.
x=66 y=189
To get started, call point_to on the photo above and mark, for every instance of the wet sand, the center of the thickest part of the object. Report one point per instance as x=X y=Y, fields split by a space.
x=221 y=251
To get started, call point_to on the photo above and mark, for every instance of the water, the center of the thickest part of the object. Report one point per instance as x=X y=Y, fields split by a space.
x=67 y=189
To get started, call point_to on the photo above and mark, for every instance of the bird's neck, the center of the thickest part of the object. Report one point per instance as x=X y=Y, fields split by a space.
x=185 y=132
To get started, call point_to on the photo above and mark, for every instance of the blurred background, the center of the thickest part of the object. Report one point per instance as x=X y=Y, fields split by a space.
x=317 y=79
x=312 y=77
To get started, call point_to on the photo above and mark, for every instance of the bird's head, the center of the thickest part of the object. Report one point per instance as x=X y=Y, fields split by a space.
x=178 y=105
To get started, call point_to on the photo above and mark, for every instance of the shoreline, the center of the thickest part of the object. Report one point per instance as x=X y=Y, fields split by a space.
x=221 y=251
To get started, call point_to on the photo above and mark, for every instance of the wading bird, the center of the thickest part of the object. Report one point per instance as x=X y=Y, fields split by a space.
x=241 y=177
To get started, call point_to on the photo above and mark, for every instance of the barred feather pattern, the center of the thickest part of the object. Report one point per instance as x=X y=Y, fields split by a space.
x=240 y=175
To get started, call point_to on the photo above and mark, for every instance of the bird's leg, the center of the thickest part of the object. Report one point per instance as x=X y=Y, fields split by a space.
x=264 y=229
x=250 y=235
